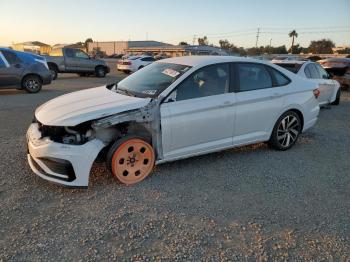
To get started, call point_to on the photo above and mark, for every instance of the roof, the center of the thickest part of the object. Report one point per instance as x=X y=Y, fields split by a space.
x=206 y=60
x=299 y=62
x=33 y=43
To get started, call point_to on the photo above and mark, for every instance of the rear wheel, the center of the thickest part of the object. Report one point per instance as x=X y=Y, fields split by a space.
x=100 y=71
x=131 y=159
x=286 y=131
x=53 y=71
x=32 y=84
x=141 y=67
x=337 y=98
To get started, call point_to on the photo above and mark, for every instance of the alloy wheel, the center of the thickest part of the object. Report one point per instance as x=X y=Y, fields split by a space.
x=288 y=130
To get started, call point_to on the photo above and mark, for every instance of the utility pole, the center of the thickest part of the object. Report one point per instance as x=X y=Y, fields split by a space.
x=257 y=37
x=194 y=39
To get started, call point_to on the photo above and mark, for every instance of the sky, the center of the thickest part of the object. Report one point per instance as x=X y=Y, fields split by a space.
x=70 y=21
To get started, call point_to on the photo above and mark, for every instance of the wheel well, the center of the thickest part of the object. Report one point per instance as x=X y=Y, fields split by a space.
x=52 y=65
x=24 y=77
x=99 y=66
x=298 y=112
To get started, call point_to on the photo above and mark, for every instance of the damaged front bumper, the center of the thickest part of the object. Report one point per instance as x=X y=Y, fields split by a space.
x=64 y=164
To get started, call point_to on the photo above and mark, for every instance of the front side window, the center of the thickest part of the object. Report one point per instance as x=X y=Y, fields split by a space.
x=151 y=80
x=81 y=54
x=148 y=59
x=11 y=58
x=2 y=63
x=56 y=52
x=253 y=76
x=207 y=81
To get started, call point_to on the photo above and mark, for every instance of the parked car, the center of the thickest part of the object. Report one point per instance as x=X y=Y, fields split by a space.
x=71 y=60
x=278 y=59
x=134 y=63
x=339 y=68
x=172 y=109
x=23 y=70
x=329 y=88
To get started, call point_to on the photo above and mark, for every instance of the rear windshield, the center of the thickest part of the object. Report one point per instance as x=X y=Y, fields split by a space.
x=290 y=67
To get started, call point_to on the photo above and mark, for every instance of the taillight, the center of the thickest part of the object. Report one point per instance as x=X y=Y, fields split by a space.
x=316 y=93
x=127 y=63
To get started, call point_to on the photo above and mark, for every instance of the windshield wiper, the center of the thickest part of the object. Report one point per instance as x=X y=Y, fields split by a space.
x=125 y=91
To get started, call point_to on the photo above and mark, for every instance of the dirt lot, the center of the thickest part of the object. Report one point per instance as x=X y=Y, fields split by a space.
x=243 y=204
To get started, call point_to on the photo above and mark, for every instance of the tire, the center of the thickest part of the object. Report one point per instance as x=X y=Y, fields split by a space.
x=128 y=72
x=82 y=74
x=53 y=71
x=100 y=71
x=140 y=67
x=286 y=131
x=32 y=84
x=131 y=159
x=337 y=98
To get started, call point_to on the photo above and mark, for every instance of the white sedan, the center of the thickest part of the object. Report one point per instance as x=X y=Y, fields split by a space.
x=329 y=88
x=134 y=63
x=172 y=109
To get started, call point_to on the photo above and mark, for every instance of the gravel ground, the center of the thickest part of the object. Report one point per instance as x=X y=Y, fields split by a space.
x=244 y=204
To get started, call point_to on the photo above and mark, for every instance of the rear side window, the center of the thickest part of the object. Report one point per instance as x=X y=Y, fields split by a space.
x=70 y=53
x=280 y=79
x=253 y=77
x=321 y=71
x=149 y=59
x=313 y=71
x=11 y=58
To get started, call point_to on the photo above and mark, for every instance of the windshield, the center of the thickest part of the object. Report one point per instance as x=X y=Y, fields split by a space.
x=152 y=79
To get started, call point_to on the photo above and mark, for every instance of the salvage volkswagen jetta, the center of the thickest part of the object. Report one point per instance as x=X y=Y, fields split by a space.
x=172 y=109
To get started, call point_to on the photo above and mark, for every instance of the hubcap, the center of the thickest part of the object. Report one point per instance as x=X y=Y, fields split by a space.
x=133 y=161
x=32 y=84
x=288 y=130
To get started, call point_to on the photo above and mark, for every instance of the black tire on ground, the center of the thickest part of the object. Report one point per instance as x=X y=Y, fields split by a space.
x=286 y=131
x=32 y=84
x=337 y=98
x=127 y=72
x=54 y=71
x=100 y=71
x=141 y=67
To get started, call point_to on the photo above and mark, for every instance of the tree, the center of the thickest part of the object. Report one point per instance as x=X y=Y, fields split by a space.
x=183 y=43
x=346 y=50
x=203 y=41
x=226 y=45
x=293 y=34
x=297 y=49
x=323 y=46
x=89 y=40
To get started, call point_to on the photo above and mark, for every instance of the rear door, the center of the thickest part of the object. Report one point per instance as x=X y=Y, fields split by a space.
x=330 y=85
x=259 y=99
x=12 y=69
x=312 y=72
x=199 y=114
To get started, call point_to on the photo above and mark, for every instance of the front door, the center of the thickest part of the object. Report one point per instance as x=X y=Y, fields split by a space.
x=11 y=69
x=198 y=116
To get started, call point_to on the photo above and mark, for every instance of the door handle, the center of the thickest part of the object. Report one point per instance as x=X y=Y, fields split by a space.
x=18 y=65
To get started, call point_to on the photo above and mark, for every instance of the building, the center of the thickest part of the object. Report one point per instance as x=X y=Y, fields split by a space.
x=120 y=47
x=77 y=46
x=179 y=50
x=33 y=47
x=340 y=48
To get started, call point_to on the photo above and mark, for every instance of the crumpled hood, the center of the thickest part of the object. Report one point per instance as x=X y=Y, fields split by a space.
x=81 y=106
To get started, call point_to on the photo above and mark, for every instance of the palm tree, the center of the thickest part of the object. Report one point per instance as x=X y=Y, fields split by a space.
x=293 y=34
